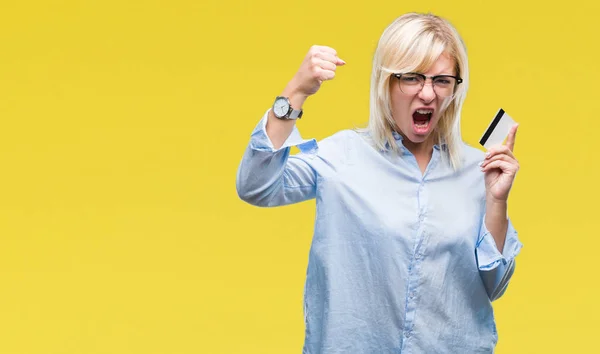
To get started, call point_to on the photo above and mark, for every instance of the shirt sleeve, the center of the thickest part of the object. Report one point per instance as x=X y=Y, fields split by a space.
x=270 y=177
x=495 y=268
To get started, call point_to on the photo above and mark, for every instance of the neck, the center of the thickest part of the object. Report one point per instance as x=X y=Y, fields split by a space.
x=422 y=152
x=423 y=149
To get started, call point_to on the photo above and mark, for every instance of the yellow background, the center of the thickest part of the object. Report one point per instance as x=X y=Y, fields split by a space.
x=122 y=124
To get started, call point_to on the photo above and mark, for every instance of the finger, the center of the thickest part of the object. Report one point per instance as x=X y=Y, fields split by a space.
x=326 y=75
x=325 y=49
x=499 y=157
x=326 y=65
x=501 y=164
x=330 y=57
x=512 y=134
x=498 y=149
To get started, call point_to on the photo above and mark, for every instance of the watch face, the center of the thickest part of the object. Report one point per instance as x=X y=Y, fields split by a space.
x=281 y=107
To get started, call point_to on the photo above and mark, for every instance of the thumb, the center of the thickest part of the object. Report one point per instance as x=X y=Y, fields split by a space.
x=340 y=62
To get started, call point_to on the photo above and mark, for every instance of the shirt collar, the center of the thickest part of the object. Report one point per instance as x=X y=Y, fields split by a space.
x=399 y=138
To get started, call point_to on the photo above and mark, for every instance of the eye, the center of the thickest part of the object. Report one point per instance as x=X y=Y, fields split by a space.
x=444 y=81
x=410 y=79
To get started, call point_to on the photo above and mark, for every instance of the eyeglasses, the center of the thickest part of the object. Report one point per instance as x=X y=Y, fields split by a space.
x=413 y=83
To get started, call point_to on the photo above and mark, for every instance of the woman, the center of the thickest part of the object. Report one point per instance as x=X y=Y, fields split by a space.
x=412 y=241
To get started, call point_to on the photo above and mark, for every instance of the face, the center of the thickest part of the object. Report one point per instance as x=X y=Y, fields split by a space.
x=417 y=115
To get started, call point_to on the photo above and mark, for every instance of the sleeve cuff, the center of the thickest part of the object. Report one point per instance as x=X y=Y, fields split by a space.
x=260 y=140
x=488 y=256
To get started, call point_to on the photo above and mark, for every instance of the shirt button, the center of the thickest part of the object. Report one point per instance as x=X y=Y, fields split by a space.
x=407 y=334
x=412 y=295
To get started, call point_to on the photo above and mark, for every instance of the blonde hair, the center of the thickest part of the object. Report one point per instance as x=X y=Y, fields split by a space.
x=413 y=42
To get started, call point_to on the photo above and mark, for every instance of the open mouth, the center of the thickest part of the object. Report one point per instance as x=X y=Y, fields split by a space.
x=422 y=120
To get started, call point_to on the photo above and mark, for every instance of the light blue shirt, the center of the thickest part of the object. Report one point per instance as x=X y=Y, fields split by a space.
x=400 y=261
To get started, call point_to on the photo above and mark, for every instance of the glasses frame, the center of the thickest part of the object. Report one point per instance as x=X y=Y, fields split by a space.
x=425 y=77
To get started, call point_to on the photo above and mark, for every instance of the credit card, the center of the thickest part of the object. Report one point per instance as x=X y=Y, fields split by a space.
x=498 y=130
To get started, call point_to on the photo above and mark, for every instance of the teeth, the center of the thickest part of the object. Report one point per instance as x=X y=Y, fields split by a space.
x=424 y=111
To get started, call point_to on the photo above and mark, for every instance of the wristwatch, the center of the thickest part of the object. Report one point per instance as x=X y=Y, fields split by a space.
x=282 y=109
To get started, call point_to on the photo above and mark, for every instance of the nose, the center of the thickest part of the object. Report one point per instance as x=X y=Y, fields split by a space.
x=427 y=94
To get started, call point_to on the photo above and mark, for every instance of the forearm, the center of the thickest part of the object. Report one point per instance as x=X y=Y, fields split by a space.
x=496 y=220
x=279 y=130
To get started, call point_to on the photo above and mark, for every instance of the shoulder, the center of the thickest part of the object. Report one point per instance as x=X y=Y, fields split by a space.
x=471 y=155
x=470 y=158
x=341 y=136
x=338 y=149
x=340 y=141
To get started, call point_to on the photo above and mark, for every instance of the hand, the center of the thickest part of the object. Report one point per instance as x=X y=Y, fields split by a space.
x=319 y=65
x=500 y=167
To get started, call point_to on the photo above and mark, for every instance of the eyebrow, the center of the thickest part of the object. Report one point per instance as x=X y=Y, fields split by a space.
x=417 y=72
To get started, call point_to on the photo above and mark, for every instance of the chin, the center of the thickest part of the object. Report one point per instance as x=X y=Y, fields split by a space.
x=418 y=139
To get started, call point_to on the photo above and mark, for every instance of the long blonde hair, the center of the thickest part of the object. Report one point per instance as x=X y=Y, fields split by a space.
x=413 y=42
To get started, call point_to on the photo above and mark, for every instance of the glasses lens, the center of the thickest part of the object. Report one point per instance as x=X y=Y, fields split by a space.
x=411 y=83
x=444 y=85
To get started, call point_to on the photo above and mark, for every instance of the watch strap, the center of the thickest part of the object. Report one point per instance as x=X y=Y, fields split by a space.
x=291 y=113
x=294 y=113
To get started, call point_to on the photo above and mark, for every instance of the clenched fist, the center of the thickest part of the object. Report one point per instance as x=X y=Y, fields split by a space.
x=319 y=65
